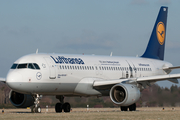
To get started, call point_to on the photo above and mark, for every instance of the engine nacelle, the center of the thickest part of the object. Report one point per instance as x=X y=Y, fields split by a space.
x=124 y=94
x=21 y=100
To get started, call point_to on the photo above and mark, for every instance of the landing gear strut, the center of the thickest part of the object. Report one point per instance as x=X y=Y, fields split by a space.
x=36 y=108
x=62 y=106
x=131 y=107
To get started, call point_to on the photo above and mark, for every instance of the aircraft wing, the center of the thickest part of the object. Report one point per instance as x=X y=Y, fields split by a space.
x=159 y=78
x=109 y=83
x=3 y=80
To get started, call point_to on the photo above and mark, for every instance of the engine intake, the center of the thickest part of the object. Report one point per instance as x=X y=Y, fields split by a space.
x=21 y=100
x=124 y=94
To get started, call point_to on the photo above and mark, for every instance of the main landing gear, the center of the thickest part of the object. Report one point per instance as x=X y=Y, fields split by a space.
x=131 y=107
x=36 y=108
x=61 y=105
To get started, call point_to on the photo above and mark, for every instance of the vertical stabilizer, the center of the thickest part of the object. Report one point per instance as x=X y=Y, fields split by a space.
x=156 y=45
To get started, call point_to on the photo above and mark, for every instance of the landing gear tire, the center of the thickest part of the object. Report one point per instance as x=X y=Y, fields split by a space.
x=58 y=107
x=36 y=109
x=66 y=107
x=132 y=107
x=124 y=108
x=62 y=106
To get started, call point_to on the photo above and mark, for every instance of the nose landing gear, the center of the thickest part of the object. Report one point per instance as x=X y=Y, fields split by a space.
x=62 y=106
x=36 y=108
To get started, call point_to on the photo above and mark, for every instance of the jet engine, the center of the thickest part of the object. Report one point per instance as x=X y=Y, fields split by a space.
x=124 y=94
x=21 y=100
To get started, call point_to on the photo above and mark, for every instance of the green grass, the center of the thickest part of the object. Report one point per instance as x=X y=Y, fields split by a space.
x=94 y=114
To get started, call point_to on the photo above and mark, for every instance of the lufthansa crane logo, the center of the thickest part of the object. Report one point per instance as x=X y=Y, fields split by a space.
x=160 y=31
x=38 y=75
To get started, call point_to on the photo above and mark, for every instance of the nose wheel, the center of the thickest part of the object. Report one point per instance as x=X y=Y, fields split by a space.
x=61 y=105
x=36 y=108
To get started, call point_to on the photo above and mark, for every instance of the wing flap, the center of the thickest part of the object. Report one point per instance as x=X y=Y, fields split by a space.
x=107 y=82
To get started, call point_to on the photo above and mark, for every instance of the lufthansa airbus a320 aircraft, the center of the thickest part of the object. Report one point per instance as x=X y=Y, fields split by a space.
x=67 y=75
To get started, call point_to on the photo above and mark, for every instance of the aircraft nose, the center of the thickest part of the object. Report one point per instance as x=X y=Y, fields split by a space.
x=13 y=80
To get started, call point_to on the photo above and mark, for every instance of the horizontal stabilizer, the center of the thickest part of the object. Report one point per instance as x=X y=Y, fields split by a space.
x=3 y=80
x=173 y=81
x=166 y=68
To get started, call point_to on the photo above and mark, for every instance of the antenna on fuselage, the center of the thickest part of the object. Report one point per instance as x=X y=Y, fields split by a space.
x=111 y=53
x=37 y=51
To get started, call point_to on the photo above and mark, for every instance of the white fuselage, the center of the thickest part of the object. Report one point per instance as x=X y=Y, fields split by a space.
x=61 y=74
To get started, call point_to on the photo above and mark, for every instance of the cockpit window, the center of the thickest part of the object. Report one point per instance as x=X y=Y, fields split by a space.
x=20 y=66
x=36 y=66
x=26 y=65
x=14 y=66
x=30 y=65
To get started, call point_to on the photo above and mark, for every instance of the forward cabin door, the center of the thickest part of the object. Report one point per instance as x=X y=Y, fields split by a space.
x=52 y=69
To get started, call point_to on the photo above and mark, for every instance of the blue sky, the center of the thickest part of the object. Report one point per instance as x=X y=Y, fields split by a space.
x=84 y=26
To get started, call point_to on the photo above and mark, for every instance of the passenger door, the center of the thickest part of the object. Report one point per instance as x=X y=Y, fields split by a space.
x=52 y=70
